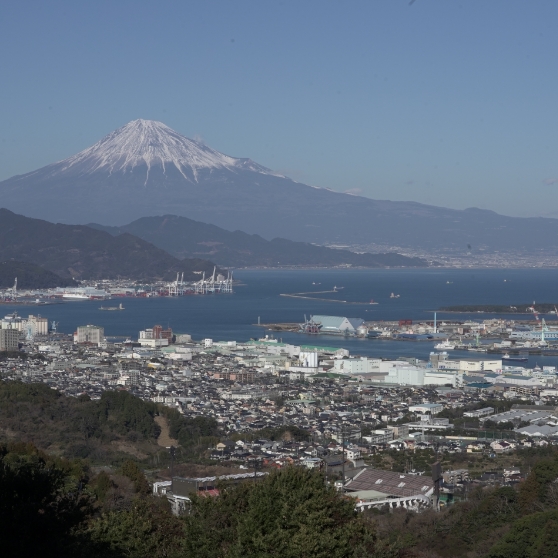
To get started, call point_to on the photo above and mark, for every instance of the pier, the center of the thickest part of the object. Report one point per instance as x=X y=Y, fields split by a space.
x=304 y=296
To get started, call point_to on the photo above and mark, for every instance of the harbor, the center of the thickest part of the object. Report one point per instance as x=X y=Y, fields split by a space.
x=257 y=293
x=122 y=288
x=515 y=339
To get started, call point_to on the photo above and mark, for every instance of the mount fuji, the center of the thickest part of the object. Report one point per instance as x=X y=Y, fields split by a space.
x=147 y=169
x=146 y=147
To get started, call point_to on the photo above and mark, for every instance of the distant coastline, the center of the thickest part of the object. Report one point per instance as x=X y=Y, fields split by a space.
x=525 y=308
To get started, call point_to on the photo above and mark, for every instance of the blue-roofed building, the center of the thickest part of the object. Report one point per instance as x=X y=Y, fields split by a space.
x=337 y=324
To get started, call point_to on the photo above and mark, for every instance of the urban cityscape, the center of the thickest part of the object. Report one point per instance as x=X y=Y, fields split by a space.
x=278 y=279
x=252 y=386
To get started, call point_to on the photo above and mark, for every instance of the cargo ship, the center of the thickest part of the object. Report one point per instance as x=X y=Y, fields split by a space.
x=112 y=308
x=520 y=358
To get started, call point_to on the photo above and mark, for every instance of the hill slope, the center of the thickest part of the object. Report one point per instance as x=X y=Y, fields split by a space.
x=145 y=169
x=183 y=237
x=96 y=429
x=77 y=251
x=30 y=276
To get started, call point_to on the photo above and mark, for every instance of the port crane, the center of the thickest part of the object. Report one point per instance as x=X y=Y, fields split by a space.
x=544 y=329
x=199 y=286
x=215 y=283
x=310 y=326
x=176 y=288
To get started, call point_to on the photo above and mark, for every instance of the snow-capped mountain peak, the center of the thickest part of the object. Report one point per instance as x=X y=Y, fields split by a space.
x=148 y=144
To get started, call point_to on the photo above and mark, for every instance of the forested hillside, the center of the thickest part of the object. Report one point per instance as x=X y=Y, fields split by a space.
x=109 y=429
x=186 y=238
x=51 y=506
x=79 y=252
x=56 y=499
x=30 y=276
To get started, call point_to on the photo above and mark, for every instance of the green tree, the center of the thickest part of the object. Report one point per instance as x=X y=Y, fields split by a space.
x=533 y=536
x=135 y=474
x=41 y=506
x=147 y=530
x=101 y=485
x=188 y=431
x=291 y=513
x=534 y=492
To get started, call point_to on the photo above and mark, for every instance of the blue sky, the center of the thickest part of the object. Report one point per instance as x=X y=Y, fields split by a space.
x=451 y=103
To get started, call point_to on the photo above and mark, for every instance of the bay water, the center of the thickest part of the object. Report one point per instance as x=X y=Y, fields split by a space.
x=234 y=316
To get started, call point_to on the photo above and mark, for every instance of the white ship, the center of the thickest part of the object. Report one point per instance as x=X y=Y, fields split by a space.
x=75 y=296
x=82 y=293
x=445 y=346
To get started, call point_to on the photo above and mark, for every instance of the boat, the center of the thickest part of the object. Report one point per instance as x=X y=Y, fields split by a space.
x=393 y=295
x=75 y=296
x=445 y=346
x=112 y=308
x=519 y=358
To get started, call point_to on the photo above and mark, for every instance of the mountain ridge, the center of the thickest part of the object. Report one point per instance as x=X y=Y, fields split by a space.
x=186 y=238
x=147 y=169
x=80 y=252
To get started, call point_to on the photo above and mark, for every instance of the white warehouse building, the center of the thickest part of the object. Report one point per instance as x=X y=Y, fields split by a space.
x=361 y=365
x=337 y=324
x=400 y=374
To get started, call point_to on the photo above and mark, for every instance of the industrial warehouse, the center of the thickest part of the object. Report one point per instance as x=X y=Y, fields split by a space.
x=333 y=325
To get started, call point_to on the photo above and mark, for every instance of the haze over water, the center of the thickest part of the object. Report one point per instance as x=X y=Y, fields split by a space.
x=233 y=317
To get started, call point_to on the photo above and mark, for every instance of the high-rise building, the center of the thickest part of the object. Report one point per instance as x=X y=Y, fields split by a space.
x=9 y=339
x=146 y=334
x=90 y=334
x=167 y=334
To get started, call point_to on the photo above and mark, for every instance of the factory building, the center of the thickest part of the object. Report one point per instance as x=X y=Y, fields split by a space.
x=12 y=321
x=479 y=365
x=308 y=359
x=405 y=375
x=401 y=374
x=362 y=365
x=35 y=324
x=396 y=372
